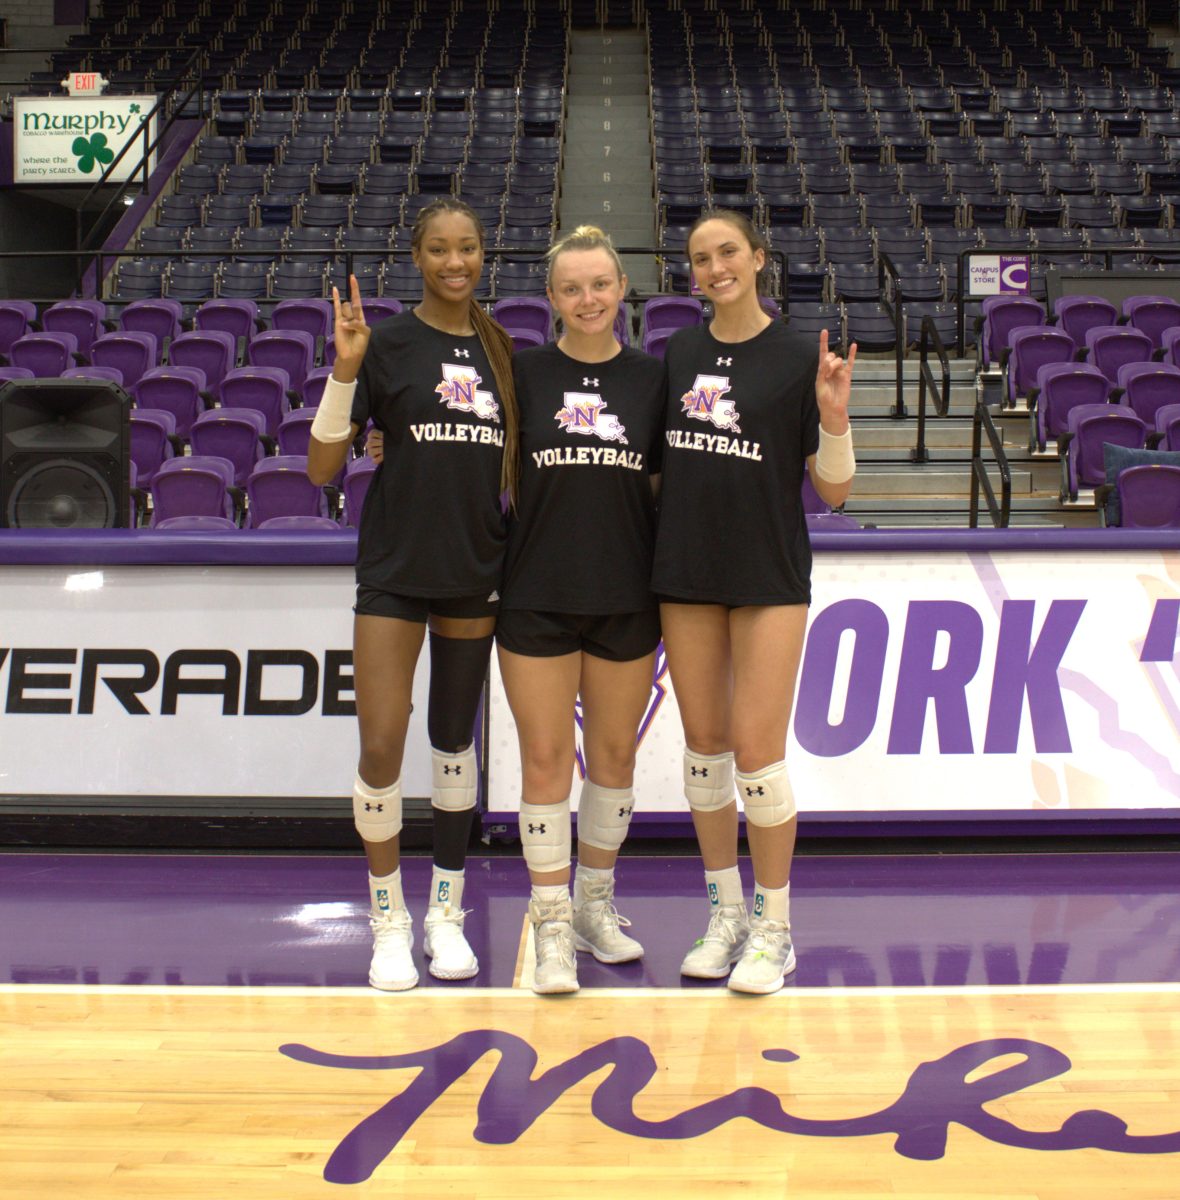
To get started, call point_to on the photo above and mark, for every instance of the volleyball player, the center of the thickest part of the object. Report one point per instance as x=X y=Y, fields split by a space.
x=577 y=616
x=437 y=381
x=749 y=404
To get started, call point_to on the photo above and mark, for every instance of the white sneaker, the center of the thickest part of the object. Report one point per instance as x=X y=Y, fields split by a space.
x=713 y=955
x=553 y=940
x=450 y=954
x=392 y=967
x=596 y=926
x=767 y=958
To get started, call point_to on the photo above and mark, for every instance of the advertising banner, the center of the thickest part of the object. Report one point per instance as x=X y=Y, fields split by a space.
x=942 y=682
x=68 y=139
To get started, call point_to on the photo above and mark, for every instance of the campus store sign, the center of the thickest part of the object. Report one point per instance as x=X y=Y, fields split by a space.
x=179 y=681
x=959 y=683
x=63 y=139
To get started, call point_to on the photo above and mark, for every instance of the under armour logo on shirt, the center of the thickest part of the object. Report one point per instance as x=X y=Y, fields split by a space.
x=589 y=382
x=758 y=791
x=536 y=828
x=700 y=770
x=449 y=770
x=461 y=353
x=725 y=362
x=374 y=807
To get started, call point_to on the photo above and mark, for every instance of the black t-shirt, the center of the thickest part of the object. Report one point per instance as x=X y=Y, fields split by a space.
x=741 y=421
x=591 y=434
x=432 y=523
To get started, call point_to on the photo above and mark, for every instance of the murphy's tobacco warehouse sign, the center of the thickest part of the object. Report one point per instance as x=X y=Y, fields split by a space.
x=61 y=139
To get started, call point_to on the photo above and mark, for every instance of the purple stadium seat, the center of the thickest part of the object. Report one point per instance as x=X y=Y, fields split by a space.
x=238 y=318
x=1076 y=314
x=380 y=309
x=113 y=374
x=357 y=477
x=152 y=434
x=179 y=390
x=671 y=313
x=302 y=523
x=1167 y=427
x=522 y=339
x=8 y=374
x=197 y=524
x=160 y=318
x=1170 y=346
x=210 y=350
x=294 y=432
x=1112 y=346
x=279 y=487
x=1060 y=387
x=1149 y=497
x=1149 y=386
x=1032 y=349
x=292 y=350
x=311 y=316
x=313 y=386
x=525 y=312
x=83 y=318
x=654 y=341
x=47 y=355
x=232 y=433
x=1152 y=315
x=196 y=486
x=1088 y=428
x=16 y=319
x=1001 y=315
x=262 y=389
x=132 y=351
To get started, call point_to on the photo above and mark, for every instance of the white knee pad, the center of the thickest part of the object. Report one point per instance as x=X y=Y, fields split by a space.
x=377 y=812
x=708 y=780
x=766 y=795
x=545 y=836
x=455 y=777
x=604 y=816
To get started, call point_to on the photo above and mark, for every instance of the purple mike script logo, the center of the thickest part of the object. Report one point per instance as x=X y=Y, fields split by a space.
x=936 y=1096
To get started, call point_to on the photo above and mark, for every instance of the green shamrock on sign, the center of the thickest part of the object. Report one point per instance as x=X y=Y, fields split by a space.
x=91 y=151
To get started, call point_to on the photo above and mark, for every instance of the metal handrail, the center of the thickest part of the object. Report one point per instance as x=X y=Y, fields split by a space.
x=1000 y=513
x=885 y=266
x=195 y=61
x=926 y=382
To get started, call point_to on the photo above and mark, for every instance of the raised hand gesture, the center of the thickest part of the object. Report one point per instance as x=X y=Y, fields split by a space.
x=833 y=385
x=350 y=334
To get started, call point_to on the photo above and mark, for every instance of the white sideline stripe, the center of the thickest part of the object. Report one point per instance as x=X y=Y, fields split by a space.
x=693 y=993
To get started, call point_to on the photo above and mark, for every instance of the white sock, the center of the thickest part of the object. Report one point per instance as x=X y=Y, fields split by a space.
x=549 y=893
x=446 y=889
x=385 y=892
x=772 y=904
x=584 y=875
x=724 y=886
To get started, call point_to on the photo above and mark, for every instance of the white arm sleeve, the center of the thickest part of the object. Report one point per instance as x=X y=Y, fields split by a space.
x=333 y=418
x=835 y=461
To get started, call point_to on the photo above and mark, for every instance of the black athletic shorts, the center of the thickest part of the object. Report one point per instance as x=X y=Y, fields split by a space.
x=373 y=602
x=618 y=637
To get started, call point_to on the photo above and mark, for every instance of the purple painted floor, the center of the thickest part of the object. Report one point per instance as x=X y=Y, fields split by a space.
x=857 y=921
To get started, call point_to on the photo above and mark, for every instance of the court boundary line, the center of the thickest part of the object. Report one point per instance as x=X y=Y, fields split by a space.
x=695 y=993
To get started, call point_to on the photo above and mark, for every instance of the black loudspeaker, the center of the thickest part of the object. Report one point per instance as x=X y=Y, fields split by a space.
x=65 y=454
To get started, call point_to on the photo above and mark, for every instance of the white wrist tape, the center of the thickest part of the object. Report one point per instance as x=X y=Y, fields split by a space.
x=835 y=461
x=333 y=418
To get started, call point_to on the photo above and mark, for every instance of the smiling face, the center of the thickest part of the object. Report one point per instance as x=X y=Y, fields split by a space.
x=585 y=288
x=724 y=264
x=450 y=257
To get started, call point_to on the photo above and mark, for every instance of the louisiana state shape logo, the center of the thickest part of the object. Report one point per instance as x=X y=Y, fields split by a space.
x=706 y=401
x=585 y=413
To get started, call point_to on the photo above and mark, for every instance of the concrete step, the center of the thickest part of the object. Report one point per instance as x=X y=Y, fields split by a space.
x=906 y=479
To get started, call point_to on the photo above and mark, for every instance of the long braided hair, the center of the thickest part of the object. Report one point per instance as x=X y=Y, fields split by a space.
x=496 y=343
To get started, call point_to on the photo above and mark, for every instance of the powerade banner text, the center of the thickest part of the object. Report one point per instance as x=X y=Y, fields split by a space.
x=64 y=139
